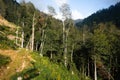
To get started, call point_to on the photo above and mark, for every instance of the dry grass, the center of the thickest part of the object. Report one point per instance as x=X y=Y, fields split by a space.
x=20 y=61
x=6 y=23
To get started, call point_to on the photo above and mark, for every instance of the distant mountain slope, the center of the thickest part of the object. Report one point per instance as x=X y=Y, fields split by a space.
x=78 y=20
x=111 y=14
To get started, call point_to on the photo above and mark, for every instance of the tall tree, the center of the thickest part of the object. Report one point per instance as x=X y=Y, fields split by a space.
x=66 y=14
x=22 y=37
x=51 y=11
x=33 y=32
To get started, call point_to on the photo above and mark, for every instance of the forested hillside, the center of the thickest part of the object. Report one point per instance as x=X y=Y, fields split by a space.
x=36 y=46
x=111 y=14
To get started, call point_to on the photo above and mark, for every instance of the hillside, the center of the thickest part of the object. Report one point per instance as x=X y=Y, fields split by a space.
x=7 y=33
x=26 y=64
x=41 y=68
x=111 y=14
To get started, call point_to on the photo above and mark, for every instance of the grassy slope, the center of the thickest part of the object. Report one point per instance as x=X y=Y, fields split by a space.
x=7 y=34
x=22 y=64
x=19 y=62
x=19 y=59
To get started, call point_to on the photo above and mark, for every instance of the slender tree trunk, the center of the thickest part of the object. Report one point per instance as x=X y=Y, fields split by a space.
x=83 y=38
x=63 y=33
x=72 y=53
x=109 y=67
x=88 y=68
x=33 y=31
x=36 y=48
x=22 y=40
x=16 y=36
x=51 y=56
x=28 y=46
x=42 y=43
x=64 y=45
x=41 y=48
x=66 y=48
x=95 y=70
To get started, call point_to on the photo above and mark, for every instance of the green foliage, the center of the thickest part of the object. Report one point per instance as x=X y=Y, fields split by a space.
x=101 y=43
x=2 y=8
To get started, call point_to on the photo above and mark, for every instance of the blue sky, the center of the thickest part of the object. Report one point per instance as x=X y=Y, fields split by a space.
x=80 y=8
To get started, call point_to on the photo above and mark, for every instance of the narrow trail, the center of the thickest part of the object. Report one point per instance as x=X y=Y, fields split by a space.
x=20 y=61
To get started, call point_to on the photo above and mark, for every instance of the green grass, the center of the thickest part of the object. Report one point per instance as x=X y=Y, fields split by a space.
x=43 y=69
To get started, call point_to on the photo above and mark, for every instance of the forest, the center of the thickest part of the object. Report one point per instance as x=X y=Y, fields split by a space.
x=60 y=49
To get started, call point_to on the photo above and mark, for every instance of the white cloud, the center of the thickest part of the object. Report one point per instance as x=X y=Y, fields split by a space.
x=60 y=2
x=58 y=16
x=76 y=15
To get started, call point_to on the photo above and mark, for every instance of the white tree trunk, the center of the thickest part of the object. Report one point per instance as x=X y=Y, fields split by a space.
x=72 y=53
x=41 y=48
x=36 y=48
x=83 y=38
x=16 y=41
x=22 y=41
x=22 y=37
x=51 y=56
x=33 y=32
x=42 y=43
x=64 y=45
x=63 y=33
x=95 y=70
